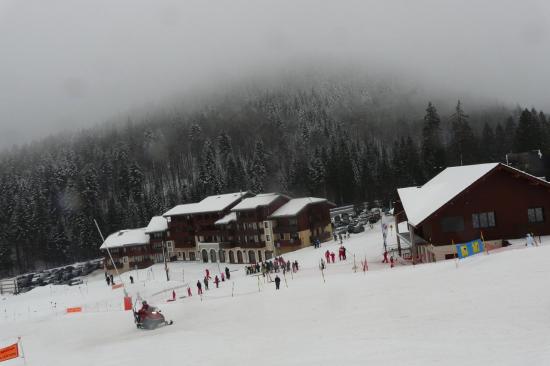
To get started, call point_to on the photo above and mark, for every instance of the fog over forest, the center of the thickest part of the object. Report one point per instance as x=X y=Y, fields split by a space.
x=72 y=64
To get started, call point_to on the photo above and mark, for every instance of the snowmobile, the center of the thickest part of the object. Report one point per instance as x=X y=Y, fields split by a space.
x=151 y=319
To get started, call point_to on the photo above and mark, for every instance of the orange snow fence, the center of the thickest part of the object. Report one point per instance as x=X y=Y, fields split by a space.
x=128 y=303
x=118 y=285
x=77 y=309
x=9 y=352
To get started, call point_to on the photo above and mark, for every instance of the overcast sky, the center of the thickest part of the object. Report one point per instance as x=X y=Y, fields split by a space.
x=71 y=63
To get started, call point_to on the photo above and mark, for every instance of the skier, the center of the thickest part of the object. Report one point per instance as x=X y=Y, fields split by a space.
x=385 y=257
x=222 y=276
x=217 y=281
x=206 y=283
x=199 y=287
x=335 y=237
x=322 y=265
x=296 y=264
x=530 y=240
x=332 y=256
x=189 y=293
x=131 y=280
x=173 y=295
x=207 y=274
x=227 y=274
x=112 y=280
x=277 y=282
x=344 y=252
x=327 y=256
x=108 y=280
x=391 y=262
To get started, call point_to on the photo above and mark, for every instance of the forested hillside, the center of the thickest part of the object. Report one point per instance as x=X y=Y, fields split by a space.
x=347 y=144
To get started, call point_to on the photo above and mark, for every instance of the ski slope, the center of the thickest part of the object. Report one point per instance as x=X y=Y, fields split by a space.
x=490 y=309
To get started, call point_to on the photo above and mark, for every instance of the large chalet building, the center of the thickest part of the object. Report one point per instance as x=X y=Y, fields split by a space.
x=234 y=227
x=493 y=202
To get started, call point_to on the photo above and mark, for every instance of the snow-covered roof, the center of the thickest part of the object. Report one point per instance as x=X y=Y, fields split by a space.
x=421 y=202
x=124 y=238
x=250 y=203
x=230 y=217
x=157 y=224
x=295 y=205
x=181 y=210
x=209 y=204
x=219 y=202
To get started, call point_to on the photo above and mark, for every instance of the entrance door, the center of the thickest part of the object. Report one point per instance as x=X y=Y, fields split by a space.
x=213 y=256
x=204 y=256
x=239 y=257
x=231 y=257
x=251 y=256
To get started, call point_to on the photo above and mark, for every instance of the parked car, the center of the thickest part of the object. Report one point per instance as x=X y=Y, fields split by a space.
x=341 y=230
x=75 y=281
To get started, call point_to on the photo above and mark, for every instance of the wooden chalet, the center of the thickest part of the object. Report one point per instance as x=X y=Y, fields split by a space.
x=490 y=201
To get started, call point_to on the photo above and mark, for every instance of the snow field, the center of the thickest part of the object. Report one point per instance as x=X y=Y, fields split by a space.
x=491 y=309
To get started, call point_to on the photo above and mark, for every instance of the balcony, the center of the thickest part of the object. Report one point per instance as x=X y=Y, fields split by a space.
x=141 y=265
x=289 y=243
x=286 y=229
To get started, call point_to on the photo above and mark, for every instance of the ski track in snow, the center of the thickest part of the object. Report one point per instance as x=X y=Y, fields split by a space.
x=490 y=310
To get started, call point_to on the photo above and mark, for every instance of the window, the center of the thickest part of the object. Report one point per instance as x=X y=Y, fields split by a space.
x=255 y=238
x=535 y=215
x=292 y=221
x=267 y=238
x=483 y=220
x=452 y=224
x=266 y=225
x=254 y=226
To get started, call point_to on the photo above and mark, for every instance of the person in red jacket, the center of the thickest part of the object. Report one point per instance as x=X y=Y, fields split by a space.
x=327 y=256
x=207 y=273
x=332 y=256
x=216 y=281
x=173 y=295
x=189 y=293
x=145 y=308
x=385 y=257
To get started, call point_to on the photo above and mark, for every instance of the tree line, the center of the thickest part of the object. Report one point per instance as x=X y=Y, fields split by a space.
x=313 y=142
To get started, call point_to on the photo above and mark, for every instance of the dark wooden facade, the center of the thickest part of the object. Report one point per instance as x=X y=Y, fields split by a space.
x=312 y=222
x=183 y=230
x=249 y=228
x=506 y=193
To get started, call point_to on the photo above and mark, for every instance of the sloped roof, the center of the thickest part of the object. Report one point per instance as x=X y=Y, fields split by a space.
x=230 y=217
x=295 y=205
x=124 y=238
x=157 y=224
x=209 y=204
x=421 y=202
x=250 y=203
x=181 y=210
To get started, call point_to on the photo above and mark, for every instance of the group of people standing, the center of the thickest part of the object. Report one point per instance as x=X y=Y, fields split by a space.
x=278 y=264
x=331 y=257
x=226 y=274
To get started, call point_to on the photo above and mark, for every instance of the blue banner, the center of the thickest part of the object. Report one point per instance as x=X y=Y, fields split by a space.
x=470 y=248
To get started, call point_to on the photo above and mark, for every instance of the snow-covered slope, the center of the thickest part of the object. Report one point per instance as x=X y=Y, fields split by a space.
x=490 y=310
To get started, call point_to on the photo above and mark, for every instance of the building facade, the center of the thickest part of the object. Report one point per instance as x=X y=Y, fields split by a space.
x=299 y=222
x=493 y=202
x=129 y=249
x=235 y=228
